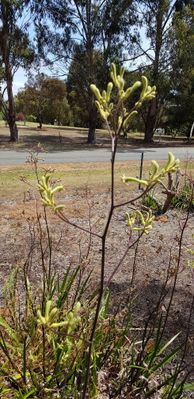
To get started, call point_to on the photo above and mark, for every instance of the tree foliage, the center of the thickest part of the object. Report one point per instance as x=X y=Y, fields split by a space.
x=95 y=26
x=15 y=51
x=45 y=98
x=78 y=86
x=160 y=19
x=155 y=37
x=181 y=98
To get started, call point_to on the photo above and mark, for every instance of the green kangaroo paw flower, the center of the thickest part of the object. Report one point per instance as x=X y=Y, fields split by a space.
x=129 y=117
x=58 y=208
x=113 y=75
x=131 y=89
x=96 y=91
x=41 y=319
x=109 y=91
x=47 y=310
x=134 y=179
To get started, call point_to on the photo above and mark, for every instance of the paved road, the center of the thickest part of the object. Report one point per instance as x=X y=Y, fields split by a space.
x=96 y=155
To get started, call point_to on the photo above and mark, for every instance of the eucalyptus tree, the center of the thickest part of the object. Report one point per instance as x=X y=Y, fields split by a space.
x=78 y=89
x=158 y=20
x=181 y=99
x=94 y=25
x=15 y=52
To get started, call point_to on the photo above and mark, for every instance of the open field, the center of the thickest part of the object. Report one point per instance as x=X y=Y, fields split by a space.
x=70 y=138
x=14 y=181
x=73 y=176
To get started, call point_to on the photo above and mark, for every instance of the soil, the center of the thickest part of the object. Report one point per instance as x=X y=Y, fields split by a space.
x=156 y=256
x=56 y=139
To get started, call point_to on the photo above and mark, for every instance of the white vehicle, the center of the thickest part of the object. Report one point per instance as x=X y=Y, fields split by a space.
x=159 y=131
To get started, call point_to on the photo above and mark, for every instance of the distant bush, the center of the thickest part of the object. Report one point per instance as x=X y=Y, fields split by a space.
x=20 y=117
x=31 y=118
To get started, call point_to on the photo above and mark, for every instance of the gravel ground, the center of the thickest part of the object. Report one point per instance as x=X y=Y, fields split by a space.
x=154 y=254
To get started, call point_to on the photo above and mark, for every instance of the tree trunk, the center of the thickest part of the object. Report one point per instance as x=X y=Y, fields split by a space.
x=13 y=130
x=5 y=47
x=92 y=126
x=151 y=119
x=150 y=122
x=11 y=107
x=39 y=120
x=40 y=125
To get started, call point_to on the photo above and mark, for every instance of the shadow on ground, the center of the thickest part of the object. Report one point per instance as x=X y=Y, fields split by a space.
x=181 y=315
x=54 y=140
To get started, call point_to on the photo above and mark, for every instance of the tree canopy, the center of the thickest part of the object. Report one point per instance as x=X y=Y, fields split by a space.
x=78 y=40
x=46 y=99
x=94 y=26
x=16 y=51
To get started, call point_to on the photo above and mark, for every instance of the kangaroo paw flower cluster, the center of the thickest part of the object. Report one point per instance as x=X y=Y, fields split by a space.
x=138 y=221
x=51 y=317
x=47 y=192
x=156 y=173
x=118 y=113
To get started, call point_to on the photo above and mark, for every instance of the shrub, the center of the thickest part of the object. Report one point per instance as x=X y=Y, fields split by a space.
x=184 y=197
x=150 y=201
x=31 y=118
x=20 y=117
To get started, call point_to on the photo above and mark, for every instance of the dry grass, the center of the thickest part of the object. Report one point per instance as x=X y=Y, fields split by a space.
x=18 y=186
x=15 y=180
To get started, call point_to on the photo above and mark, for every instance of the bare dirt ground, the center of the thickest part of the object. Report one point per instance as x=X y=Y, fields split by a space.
x=155 y=252
x=87 y=199
x=69 y=138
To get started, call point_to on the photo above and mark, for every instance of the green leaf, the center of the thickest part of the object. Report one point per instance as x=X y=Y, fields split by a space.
x=26 y=395
x=166 y=359
x=167 y=344
x=10 y=331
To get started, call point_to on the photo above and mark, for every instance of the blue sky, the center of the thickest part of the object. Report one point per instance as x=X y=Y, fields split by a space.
x=20 y=77
x=19 y=80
